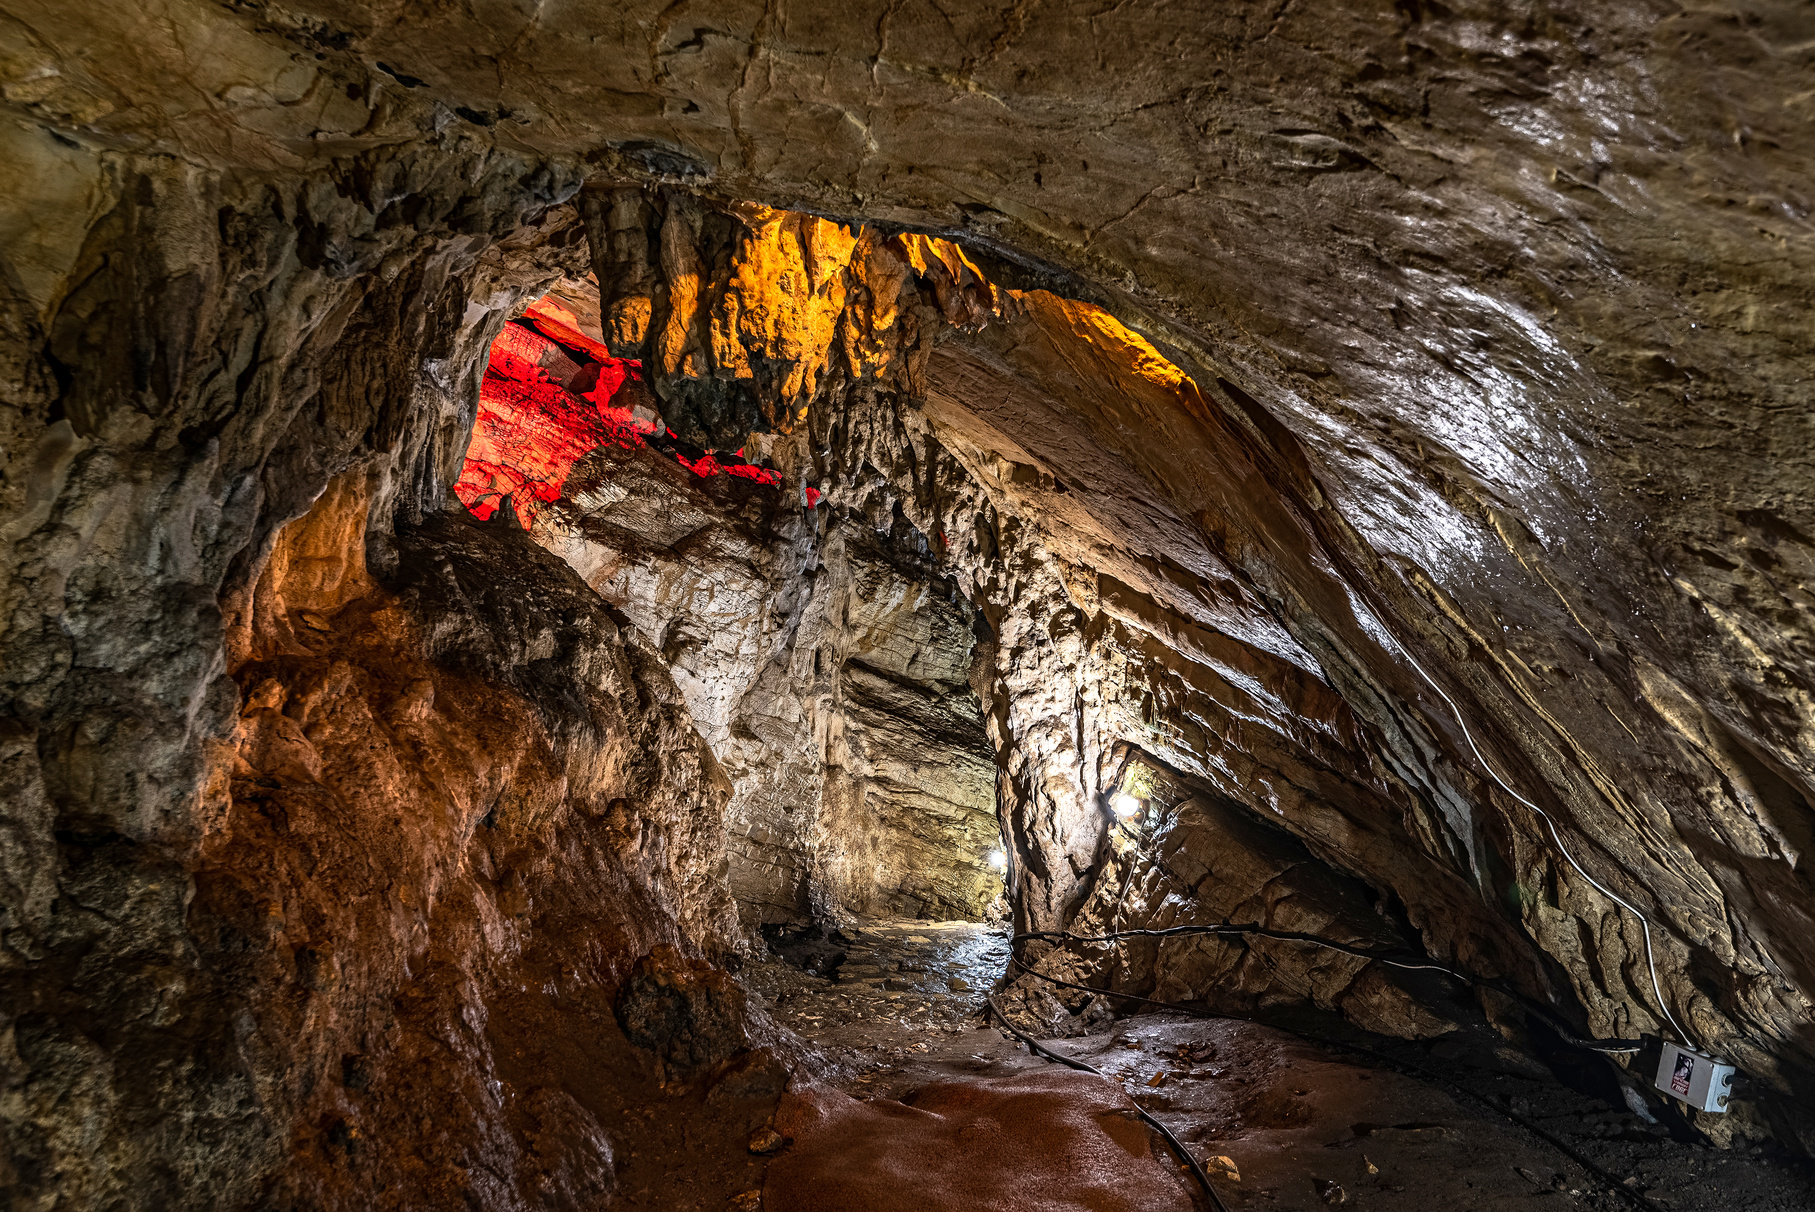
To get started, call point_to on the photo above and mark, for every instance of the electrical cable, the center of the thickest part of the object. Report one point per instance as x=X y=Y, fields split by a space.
x=1556 y=837
x=1563 y=1030
x=1177 y=1146
x=1562 y=1146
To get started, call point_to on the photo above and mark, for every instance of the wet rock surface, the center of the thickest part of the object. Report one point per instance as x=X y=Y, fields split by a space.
x=925 y=978
x=828 y=672
x=1390 y=422
x=236 y=928
x=1277 y=1118
x=688 y=1013
x=1048 y=1138
x=561 y=812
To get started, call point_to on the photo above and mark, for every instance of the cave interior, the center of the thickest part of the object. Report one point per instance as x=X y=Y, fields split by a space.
x=1178 y=609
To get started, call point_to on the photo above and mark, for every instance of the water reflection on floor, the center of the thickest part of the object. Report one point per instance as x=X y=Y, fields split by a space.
x=882 y=977
x=1281 y=1122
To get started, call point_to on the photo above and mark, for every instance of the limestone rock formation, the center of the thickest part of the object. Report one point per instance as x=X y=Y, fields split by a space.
x=827 y=674
x=444 y=792
x=1383 y=428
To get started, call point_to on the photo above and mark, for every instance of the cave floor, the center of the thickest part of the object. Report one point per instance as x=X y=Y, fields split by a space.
x=1304 y=1125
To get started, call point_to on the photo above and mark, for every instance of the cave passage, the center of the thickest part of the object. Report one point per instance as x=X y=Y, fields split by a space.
x=835 y=622
x=1063 y=608
x=833 y=674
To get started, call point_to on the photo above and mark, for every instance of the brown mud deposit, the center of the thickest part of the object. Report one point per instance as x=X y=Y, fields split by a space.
x=412 y=943
x=1045 y=1139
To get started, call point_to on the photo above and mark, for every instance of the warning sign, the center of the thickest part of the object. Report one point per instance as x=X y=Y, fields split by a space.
x=1685 y=1070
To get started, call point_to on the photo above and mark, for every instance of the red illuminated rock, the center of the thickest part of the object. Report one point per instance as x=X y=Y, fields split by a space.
x=550 y=396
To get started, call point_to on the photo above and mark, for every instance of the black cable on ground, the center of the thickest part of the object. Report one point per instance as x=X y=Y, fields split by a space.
x=1034 y=1046
x=1562 y=1146
x=1391 y=959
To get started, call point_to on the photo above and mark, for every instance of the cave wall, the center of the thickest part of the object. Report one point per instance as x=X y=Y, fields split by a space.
x=828 y=666
x=1110 y=621
x=1189 y=857
x=316 y=804
x=830 y=679
x=1110 y=640
x=1493 y=325
x=1195 y=595
x=462 y=804
x=909 y=743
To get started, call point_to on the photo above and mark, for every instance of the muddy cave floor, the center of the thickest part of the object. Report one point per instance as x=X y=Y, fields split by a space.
x=893 y=1006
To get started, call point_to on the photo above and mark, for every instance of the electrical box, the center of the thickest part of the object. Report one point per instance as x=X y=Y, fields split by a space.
x=1701 y=1081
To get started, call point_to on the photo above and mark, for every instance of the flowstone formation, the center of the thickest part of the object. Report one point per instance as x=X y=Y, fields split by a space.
x=1370 y=439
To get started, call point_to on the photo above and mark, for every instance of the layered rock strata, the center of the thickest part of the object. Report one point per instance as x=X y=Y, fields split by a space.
x=1480 y=331
x=1210 y=609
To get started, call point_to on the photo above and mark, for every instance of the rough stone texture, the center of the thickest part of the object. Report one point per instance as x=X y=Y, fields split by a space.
x=1109 y=631
x=1493 y=321
x=687 y=1012
x=830 y=679
x=913 y=811
x=444 y=793
x=829 y=671
x=1131 y=616
x=1196 y=860
x=279 y=830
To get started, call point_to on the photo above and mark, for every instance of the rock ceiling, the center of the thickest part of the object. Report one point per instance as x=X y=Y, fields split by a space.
x=1189 y=376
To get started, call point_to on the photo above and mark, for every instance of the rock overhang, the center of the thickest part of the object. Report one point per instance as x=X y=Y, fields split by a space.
x=1493 y=328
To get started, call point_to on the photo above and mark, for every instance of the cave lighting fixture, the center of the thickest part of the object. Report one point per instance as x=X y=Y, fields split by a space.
x=1125 y=806
x=997 y=860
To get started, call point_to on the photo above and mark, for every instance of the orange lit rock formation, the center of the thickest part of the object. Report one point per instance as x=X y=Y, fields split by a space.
x=456 y=807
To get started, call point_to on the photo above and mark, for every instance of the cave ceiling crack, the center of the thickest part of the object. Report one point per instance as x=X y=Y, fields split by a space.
x=1092 y=236
x=734 y=106
x=663 y=23
x=883 y=20
x=1279 y=15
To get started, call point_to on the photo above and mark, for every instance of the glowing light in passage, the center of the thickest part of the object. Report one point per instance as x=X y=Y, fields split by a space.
x=997 y=860
x=1125 y=806
x=550 y=396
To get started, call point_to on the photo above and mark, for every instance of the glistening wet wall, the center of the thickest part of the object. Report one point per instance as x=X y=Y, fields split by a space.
x=1504 y=311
